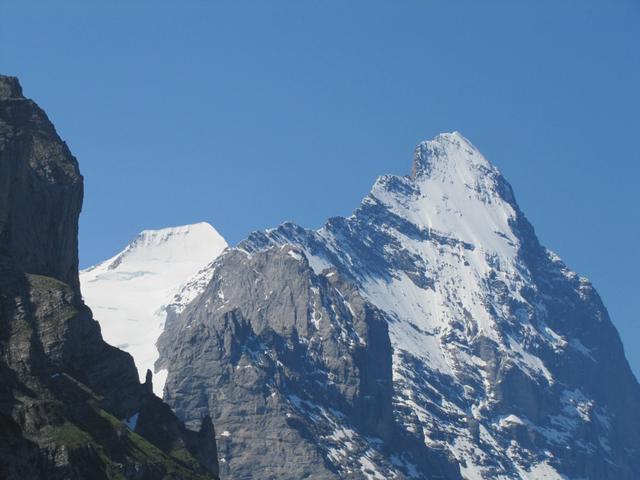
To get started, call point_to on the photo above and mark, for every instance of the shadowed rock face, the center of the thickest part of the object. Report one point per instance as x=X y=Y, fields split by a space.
x=40 y=190
x=64 y=392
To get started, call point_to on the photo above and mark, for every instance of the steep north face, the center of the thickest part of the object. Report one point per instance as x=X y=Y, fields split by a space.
x=428 y=335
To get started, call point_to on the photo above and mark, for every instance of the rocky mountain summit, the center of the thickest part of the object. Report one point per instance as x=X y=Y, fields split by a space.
x=71 y=406
x=428 y=335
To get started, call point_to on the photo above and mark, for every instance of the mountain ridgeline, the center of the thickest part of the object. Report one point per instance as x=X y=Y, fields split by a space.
x=428 y=335
x=71 y=406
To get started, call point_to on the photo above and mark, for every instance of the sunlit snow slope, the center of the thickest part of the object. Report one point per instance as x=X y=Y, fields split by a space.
x=129 y=292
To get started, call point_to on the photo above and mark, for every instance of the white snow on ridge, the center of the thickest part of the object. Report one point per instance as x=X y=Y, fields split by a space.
x=128 y=293
x=457 y=195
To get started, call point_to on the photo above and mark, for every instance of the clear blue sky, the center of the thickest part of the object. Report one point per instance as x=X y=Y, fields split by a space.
x=246 y=114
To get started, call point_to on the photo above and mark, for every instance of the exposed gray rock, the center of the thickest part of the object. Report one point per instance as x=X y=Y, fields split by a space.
x=290 y=364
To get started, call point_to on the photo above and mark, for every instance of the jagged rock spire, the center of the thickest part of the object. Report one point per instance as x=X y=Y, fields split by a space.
x=10 y=88
x=148 y=381
x=207 y=451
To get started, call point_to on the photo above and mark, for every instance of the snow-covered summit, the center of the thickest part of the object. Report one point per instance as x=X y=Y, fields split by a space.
x=128 y=293
x=456 y=192
x=445 y=152
x=185 y=243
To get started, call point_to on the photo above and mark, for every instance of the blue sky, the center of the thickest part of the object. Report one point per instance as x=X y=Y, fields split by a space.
x=246 y=114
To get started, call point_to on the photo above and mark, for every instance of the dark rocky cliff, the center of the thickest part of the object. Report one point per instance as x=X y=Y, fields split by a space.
x=71 y=406
x=40 y=190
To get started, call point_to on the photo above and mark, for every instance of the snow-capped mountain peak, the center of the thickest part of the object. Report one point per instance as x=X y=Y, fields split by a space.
x=455 y=192
x=128 y=293
x=185 y=243
x=445 y=152
x=499 y=352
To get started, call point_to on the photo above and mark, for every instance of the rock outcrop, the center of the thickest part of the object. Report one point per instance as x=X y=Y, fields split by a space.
x=281 y=358
x=71 y=406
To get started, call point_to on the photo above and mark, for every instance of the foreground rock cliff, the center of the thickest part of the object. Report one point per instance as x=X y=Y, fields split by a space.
x=428 y=335
x=71 y=406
